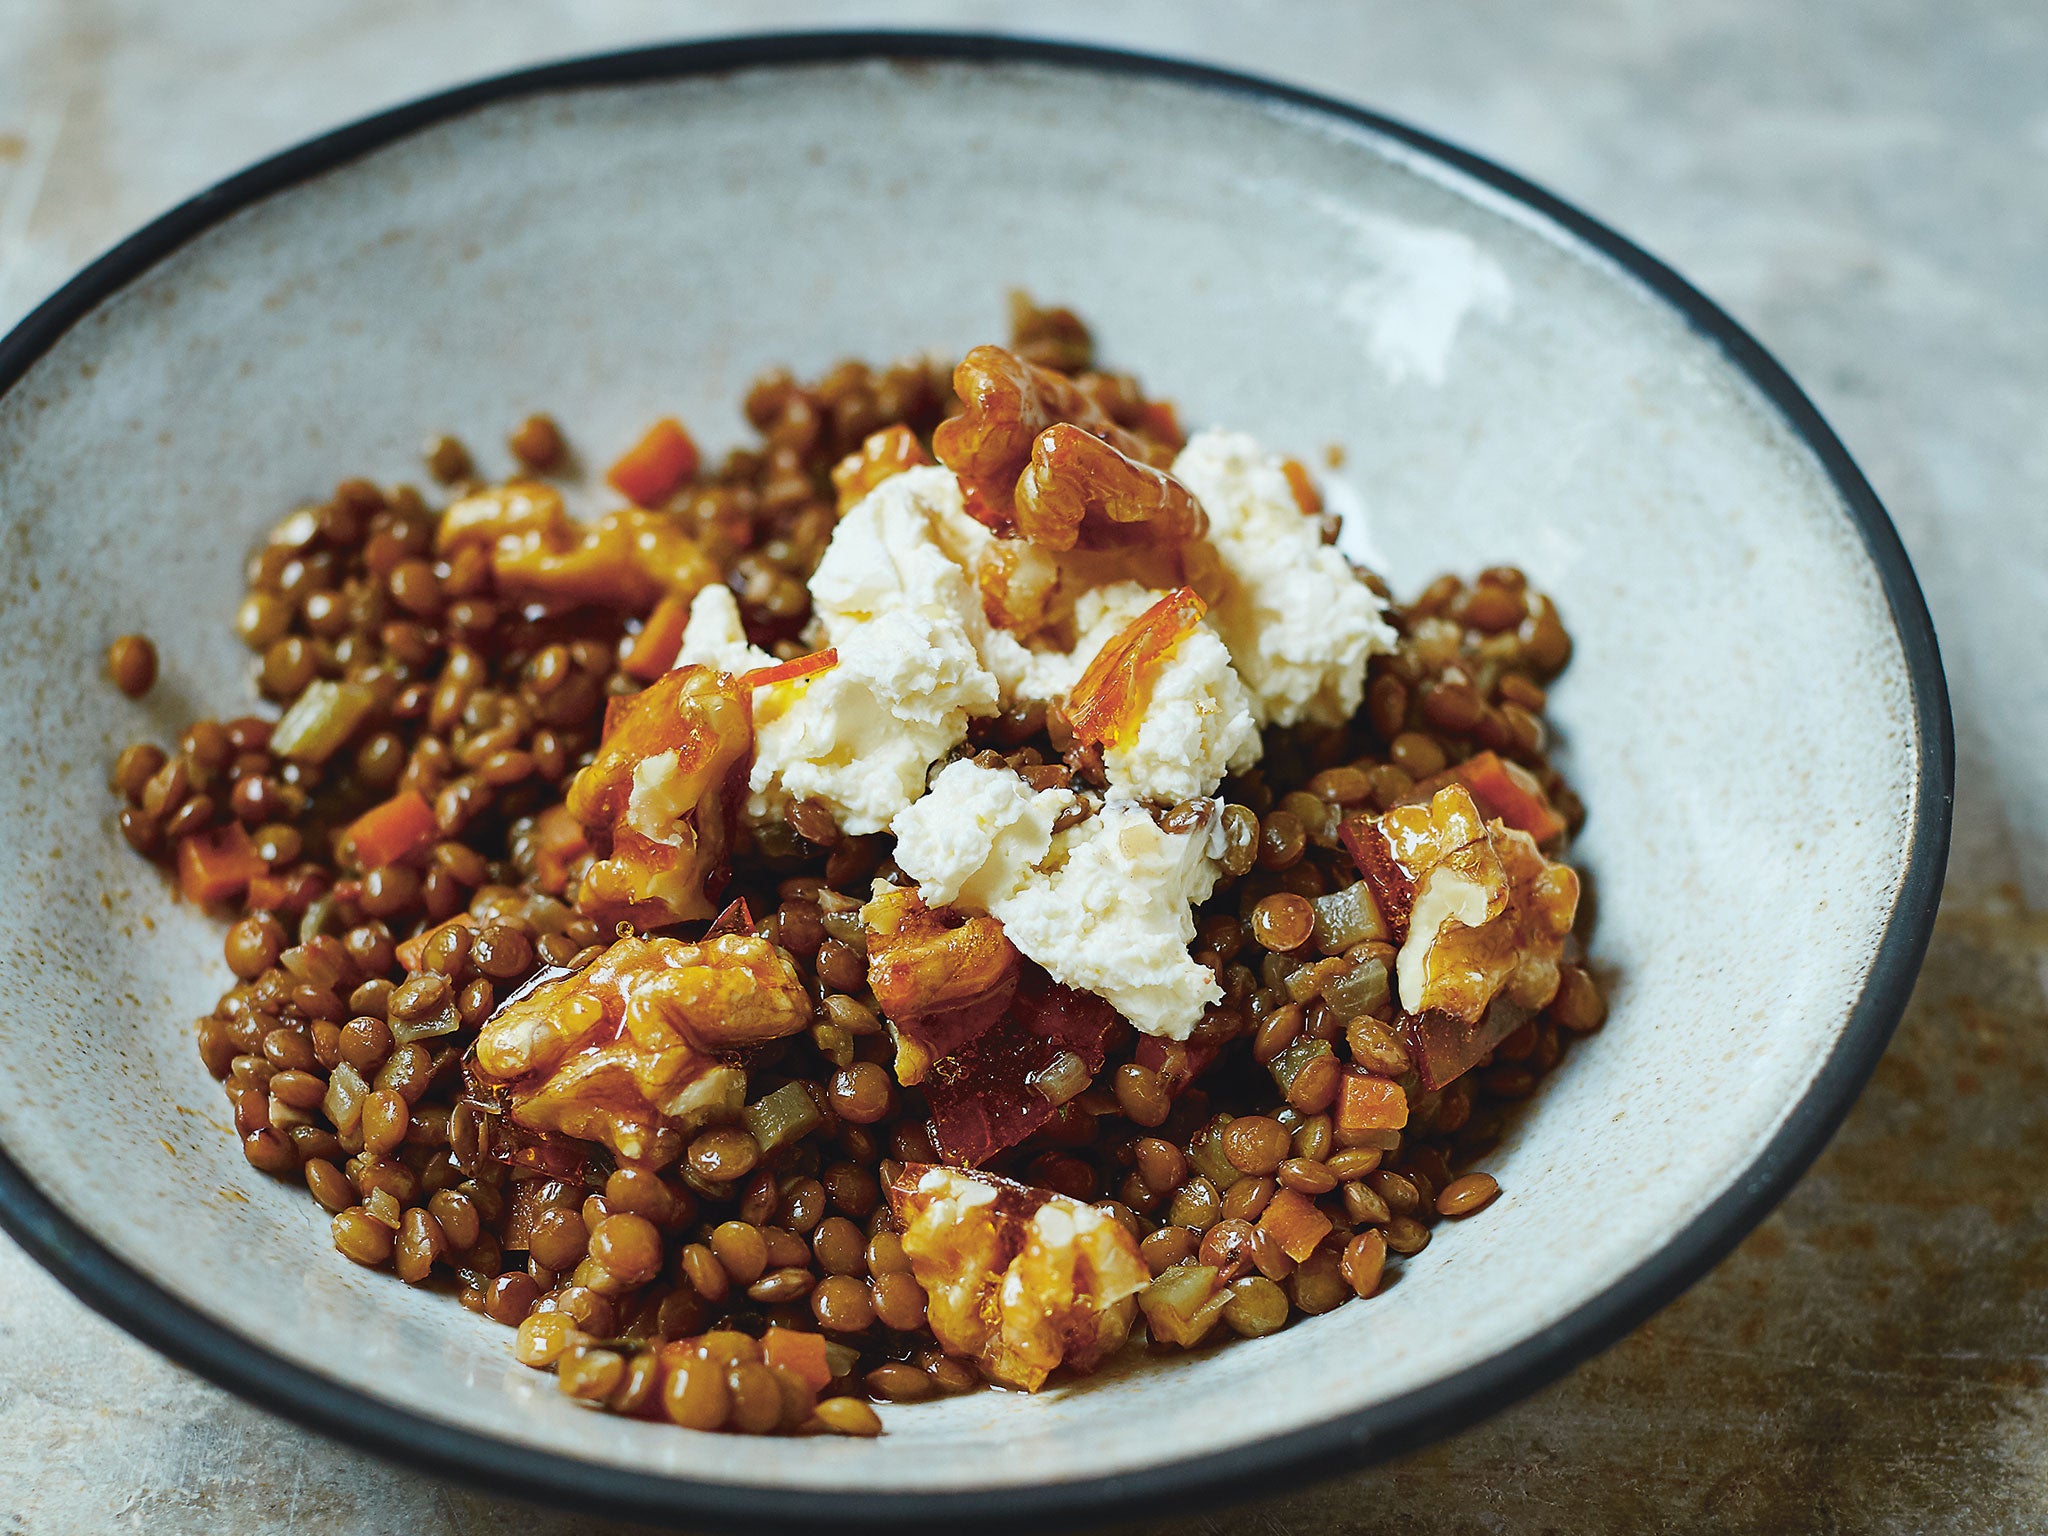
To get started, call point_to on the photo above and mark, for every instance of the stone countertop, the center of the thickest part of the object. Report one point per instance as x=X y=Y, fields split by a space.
x=1866 y=188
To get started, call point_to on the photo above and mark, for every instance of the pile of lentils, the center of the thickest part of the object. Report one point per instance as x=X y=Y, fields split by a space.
x=488 y=710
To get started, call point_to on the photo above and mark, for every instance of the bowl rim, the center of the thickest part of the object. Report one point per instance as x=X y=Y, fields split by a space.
x=124 y=1294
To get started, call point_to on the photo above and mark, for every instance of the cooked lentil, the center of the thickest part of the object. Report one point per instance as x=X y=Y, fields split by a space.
x=131 y=662
x=657 y=1289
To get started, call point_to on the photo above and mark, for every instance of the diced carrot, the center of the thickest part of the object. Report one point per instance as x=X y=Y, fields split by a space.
x=414 y=949
x=654 y=468
x=267 y=893
x=217 y=864
x=654 y=649
x=386 y=833
x=803 y=1353
x=1294 y=1223
x=1306 y=496
x=785 y=671
x=559 y=842
x=1510 y=793
x=1368 y=1103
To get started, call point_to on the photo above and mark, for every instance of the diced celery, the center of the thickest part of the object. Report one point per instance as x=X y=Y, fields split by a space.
x=1206 y=1153
x=321 y=721
x=1360 y=990
x=1061 y=1079
x=1308 y=982
x=1182 y=1305
x=1288 y=1064
x=840 y=1359
x=1347 y=917
x=784 y=1116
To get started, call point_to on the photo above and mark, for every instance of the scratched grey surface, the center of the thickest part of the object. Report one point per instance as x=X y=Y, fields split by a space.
x=1866 y=187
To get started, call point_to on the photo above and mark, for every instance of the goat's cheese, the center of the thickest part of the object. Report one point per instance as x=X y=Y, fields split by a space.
x=1113 y=915
x=1198 y=723
x=977 y=835
x=714 y=637
x=860 y=736
x=1105 y=906
x=1299 y=625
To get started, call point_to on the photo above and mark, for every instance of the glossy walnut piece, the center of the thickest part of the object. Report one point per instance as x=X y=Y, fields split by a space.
x=1020 y=1279
x=627 y=560
x=881 y=454
x=1079 y=492
x=629 y=1051
x=661 y=798
x=1483 y=918
x=1005 y=404
x=940 y=977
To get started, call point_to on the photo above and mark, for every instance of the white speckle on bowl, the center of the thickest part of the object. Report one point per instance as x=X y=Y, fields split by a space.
x=1418 y=286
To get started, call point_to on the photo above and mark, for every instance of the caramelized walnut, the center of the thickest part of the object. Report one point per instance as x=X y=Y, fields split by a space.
x=941 y=978
x=1481 y=914
x=627 y=559
x=1019 y=1278
x=628 y=1050
x=1005 y=404
x=1078 y=491
x=882 y=454
x=661 y=798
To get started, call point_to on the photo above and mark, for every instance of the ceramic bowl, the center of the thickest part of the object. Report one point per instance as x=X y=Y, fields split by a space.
x=1756 y=712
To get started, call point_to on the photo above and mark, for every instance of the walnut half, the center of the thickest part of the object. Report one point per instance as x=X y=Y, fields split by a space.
x=1481 y=914
x=1019 y=1278
x=661 y=797
x=631 y=1051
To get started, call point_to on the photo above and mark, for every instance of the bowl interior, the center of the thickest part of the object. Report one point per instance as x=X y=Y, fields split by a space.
x=1737 y=717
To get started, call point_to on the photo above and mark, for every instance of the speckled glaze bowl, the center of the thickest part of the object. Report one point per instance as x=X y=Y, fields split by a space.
x=1756 y=713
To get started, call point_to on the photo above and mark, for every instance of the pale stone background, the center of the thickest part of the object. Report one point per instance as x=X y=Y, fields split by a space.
x=1865 y=185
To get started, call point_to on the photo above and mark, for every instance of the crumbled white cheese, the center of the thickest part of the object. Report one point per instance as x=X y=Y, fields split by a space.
x=1105 y=906
x=977 y=835
x=1298 y=623
x=1198 y=723
x=714 y=636
x=1112 y=914
x=884 y=557
x=859 y=737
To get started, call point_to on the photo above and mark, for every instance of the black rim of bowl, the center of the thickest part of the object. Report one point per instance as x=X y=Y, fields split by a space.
x=127 y=1296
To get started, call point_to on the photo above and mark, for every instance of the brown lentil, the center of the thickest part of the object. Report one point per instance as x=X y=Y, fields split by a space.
x=848 y=1416
x=537 y=444
x=1365 y=1258
x=131 y=662
x=1464 y=1196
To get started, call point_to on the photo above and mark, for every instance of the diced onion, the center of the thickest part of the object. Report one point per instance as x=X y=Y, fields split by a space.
x=1061 y=1079
x=346 y=1091
x=446 y=1022
x=788 y=1114
x=1345 y=918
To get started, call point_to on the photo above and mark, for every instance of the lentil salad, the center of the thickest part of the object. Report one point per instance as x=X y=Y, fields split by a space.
x=731 y=1124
